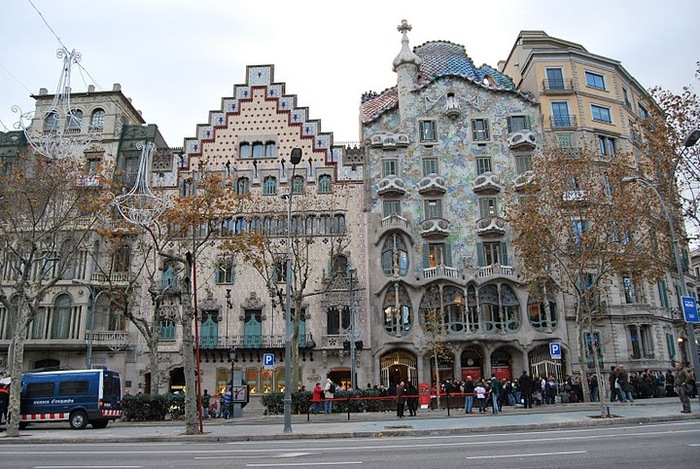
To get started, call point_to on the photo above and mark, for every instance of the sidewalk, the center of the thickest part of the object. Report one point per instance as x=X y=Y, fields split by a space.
x=263 y=428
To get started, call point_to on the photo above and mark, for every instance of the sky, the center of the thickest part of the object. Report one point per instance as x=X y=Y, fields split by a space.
x=176 y=59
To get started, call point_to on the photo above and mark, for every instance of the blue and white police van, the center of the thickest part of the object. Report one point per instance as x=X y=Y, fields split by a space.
x=77 y=396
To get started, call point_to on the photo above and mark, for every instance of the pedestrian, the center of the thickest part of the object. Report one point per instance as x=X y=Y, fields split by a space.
x=400 y=393
x=612 y=383
x=328 y=394
x=683 y=386
x=412 y=399
x=469 y=395
x=316 y=398
x=480 y=391
x=228 y=402
x=625 y=387
x=221 y=406
x=206 y=402
x=593 y=387
x=525 y=383
x=4 y=402
x=496 y=390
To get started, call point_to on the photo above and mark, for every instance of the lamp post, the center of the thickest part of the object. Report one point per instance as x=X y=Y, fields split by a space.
x=295 y=158
x=689 y=142
x=94 y=297
x=353 y=380
x=232 y=359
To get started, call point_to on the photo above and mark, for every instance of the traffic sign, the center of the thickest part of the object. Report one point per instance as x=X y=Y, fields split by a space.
x=690 y=309
x=268 y=360
x=555 y=350
x=240 y=394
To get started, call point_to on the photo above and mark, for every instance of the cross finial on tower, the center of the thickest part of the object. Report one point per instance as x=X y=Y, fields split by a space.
x=404 y=27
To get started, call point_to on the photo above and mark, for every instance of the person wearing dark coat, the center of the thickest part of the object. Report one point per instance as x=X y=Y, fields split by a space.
x=400 y=400
x=525 y=383
x=412 y=399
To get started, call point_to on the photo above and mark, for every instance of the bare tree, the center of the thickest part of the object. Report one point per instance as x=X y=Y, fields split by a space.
x=576 y=229
x=47 y=215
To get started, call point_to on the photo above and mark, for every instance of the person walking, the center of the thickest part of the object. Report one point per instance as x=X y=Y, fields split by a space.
x=525 y=383
x=625 y=387
x=496 y=390
x=400 y=393
x=206 y=402
x=328 y=394
x=412 y=399
x=682 y=383
x=228 y=403
x=316 y=398
x=469 y=395
x=612 y=383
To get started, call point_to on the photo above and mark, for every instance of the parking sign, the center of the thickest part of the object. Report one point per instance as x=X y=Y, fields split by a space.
x=269 y=360
x=555 y=350
x=690 y=309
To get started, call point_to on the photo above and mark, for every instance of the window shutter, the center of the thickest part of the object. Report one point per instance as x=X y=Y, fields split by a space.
x=503 y=254
x=426 y=256
x=510 y=124
x=448 y=255
x=480 y=254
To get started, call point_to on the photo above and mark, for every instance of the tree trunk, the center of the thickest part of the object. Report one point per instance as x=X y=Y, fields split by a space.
x=153 y=358
x=191 y=410
x=16 y=364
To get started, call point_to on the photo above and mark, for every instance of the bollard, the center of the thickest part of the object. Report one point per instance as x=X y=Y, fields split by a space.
x=607 y=408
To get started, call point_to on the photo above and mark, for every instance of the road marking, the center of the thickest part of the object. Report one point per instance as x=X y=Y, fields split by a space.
x=87 y=467
x=525 y=455
x=305 y=464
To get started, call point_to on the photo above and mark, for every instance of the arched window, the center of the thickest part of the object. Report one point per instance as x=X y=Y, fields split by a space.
x=97 y=120
x=270 y=149
x=340 y=265
x=270 y=185
x=395 y=256
x=542 y=310
x=51 y=121
x=488 y=306
x=397 y=311
x=121 y=259
x=511 y=308
x=242 y=185
x=453 y=309
x=298 y=184
x=444 y=308
x=258 y=150
x=60 y=321
x=74 y=120
x=324 y=184
x=472 y=310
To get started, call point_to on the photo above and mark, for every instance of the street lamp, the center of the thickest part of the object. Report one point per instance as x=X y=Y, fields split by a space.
x=232 y=359
x=295 y=158
x=94 y=297
x=691 y=140
x=353 y=380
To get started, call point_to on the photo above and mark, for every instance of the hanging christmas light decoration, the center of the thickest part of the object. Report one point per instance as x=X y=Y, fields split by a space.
x=140 y=206
x=59 y=132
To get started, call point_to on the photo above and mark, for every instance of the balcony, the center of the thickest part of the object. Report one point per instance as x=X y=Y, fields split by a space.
x=524 y=139
x=114 y=278
x=435 y=228
x=388 y=141
x=439 y=272
x=391 y=185
x=524 y=180
x=432 y=184
x=495 y=270
x=487 y=183
x=114 y=340
x=575 y=197
x=491 y=226
x=558 y=87
x=562 y=121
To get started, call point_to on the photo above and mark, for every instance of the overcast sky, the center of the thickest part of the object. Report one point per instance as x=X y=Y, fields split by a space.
x=176 y=59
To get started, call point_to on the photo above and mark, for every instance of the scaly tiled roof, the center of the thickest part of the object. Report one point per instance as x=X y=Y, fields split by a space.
x=439 y=59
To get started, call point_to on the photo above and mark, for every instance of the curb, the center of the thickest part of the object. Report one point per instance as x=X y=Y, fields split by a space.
x=386 y=433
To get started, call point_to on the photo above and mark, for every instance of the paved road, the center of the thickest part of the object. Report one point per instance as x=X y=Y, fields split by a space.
x=650 y=445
